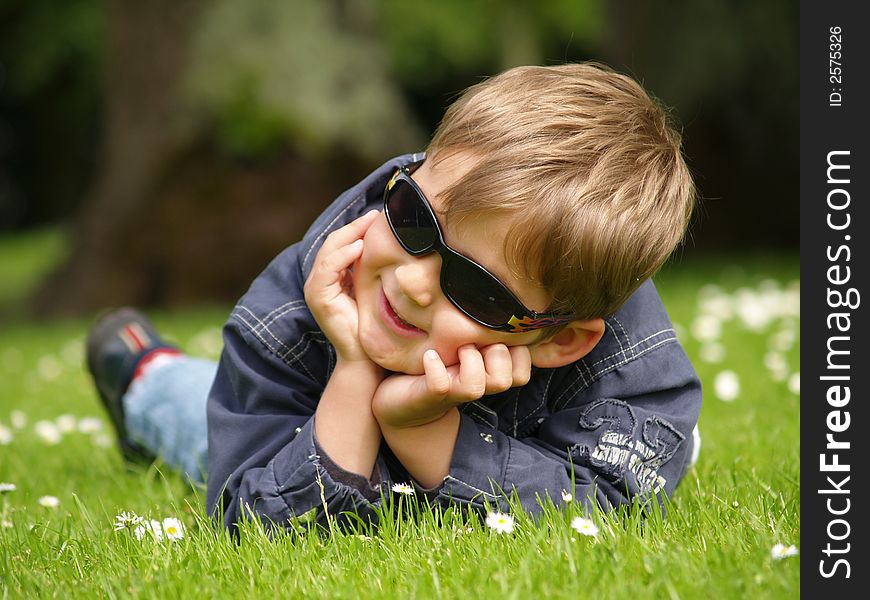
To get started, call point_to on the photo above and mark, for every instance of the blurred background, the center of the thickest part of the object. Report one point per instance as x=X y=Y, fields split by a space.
x=160 y=153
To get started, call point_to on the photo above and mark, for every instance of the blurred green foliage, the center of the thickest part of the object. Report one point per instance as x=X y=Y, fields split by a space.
x=43 y=41
x=308 y=72
x=432 y=40
x=373 y=77
x=51 y=57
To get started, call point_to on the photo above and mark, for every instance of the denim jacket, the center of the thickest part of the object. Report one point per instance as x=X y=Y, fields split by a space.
x=608 y=428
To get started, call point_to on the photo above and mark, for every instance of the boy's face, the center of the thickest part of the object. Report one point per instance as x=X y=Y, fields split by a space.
x=402 y=310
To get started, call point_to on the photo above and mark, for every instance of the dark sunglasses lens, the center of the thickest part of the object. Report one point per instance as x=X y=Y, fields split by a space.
x=477 y=293
x=411 y=220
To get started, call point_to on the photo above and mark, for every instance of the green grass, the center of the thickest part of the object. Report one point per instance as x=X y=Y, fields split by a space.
x=740 y=500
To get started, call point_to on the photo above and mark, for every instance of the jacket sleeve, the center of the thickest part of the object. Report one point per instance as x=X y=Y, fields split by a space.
x=263 y=457
x=586 y=441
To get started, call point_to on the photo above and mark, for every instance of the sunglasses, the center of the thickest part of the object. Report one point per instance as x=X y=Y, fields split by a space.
x=470 y=287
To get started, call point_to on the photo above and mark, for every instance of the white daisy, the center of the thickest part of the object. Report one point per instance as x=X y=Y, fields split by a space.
x=6 y=524
x=66 y=423
x=566 y=496
x=102 y=440
x=152 y=528
x=173 y=529
x=49 y=368
x=127 y=520
x=49 y=501
x=727 y=386
x=706 y=328
x=781 y=551
x=794 y=383
x=90 y=425
x=584 y=526
x=501 y=522
x=18 y=418
x=73 y=352
x=403 y=488
x=6 y=487
x=6 y=436
x=712 y=352
x=48 y=432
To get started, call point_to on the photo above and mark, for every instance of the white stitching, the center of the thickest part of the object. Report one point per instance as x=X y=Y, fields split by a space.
x=625 y=333
x=274 y=350
x=632 y=347
x=261 y=324
x=291 y=306
x=616 y=335
x=543 y=401
x=459 y=481
x=331 y=223
x=616 y=365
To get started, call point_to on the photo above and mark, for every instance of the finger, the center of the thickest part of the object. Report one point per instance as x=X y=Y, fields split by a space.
x=354 y=230
x=521 y=365
x=437 y=378
x=337 y=261
x=472 y=374
x=499 y=371
x=328 y=271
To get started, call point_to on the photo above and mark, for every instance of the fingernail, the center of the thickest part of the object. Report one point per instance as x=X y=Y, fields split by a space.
x=357 y=244
x=373 y=211
x=430 y=355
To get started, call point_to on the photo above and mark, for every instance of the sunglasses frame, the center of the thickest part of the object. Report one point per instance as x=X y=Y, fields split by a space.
x=527 y=320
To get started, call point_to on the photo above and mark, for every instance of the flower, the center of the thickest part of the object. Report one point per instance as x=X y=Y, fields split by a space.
x=712 y=352
x=6 y=487
x=706 y=328
x=49 y=501
x=173 y=528
x=5 y=435
x=18 y=418
x=501 y=522
x=403 y=488
x=49 y=368
x=48 y=432
x=794 y=383
x=101 y=440
x=153 y=528
x=584 y=526
x=66 y=423
x=6 y=524
x=780 y=551
x=566 y=496
x=727 y=386
x=127 y=520
x=90 y=425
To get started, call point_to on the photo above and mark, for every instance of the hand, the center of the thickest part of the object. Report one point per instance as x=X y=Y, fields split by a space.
x=329 y=288
x=410 y=400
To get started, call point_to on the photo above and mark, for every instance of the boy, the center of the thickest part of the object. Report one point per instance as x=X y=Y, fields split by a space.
x=477 y=321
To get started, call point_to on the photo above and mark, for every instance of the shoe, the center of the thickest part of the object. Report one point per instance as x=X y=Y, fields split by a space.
x=115 y=345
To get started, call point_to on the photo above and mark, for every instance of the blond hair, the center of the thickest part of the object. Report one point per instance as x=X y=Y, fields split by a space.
x=589 y=167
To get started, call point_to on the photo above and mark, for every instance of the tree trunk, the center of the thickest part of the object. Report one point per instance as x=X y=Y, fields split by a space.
x=146 y=127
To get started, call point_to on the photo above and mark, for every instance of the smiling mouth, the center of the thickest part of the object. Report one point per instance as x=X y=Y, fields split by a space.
x=395 y=322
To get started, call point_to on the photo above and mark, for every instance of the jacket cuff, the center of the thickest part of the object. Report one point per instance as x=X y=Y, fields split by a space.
x=370 y=488
x=304 y=489
x=477 y=469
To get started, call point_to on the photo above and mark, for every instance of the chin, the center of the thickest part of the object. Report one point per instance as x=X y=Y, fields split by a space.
x=395 y=359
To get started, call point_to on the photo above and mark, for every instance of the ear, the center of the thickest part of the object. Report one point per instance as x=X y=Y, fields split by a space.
x=575 y=341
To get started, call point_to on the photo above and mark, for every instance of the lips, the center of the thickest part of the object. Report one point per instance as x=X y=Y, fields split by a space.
x=396 y=323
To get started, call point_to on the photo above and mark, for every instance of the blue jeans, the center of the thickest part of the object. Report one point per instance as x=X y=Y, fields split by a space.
x=165 y=413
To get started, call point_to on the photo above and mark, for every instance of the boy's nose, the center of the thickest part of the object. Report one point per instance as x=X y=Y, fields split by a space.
x=419 y=279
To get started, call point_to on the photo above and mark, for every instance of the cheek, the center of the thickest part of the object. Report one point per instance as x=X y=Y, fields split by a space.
x=380 y=247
